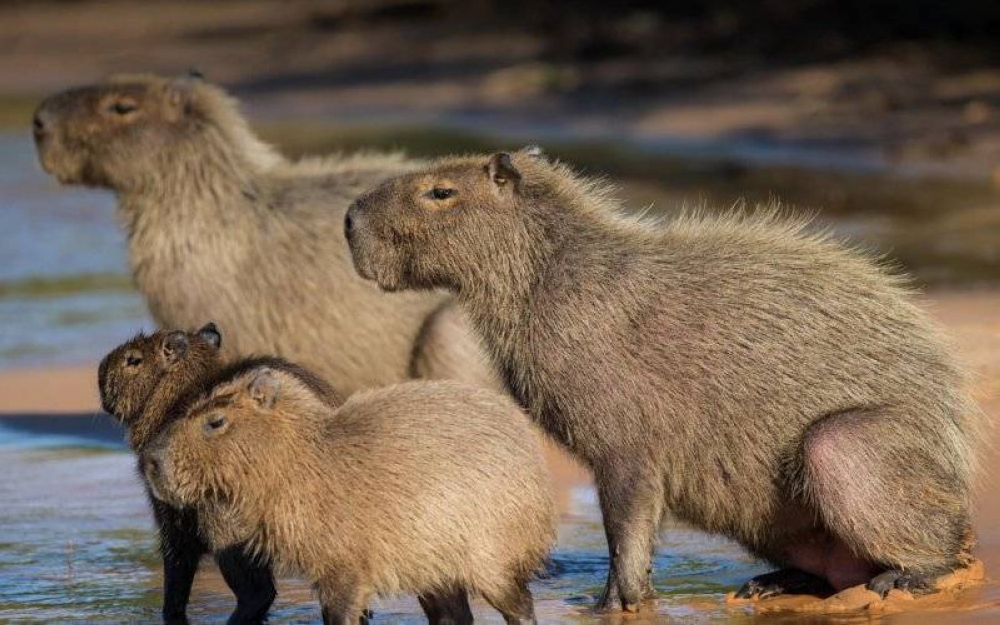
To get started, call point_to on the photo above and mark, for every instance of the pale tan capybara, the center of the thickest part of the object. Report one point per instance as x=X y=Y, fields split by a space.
x=140 y=381
x=758 y=381
x=221 y=226
x=433 y=488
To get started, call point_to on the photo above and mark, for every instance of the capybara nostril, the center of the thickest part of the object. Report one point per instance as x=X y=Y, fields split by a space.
x=38 y=124
x=348 y=226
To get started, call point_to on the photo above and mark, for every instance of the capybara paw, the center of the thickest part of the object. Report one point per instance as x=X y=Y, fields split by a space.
x=784 y=581
x=914 y=583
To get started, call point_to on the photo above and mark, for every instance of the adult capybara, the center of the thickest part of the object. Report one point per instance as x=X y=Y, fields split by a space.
x=432 y=488
x=758 y=381
x=221 y=226
x=139 y=381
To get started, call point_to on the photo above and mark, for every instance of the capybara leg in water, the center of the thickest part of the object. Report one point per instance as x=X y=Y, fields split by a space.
x=632 y=505
x=447 y=607
x=513 y=601
x=251 y=582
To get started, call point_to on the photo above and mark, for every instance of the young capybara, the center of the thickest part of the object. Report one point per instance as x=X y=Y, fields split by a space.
x=221 y=226
x=757 y=381
x=139 y=381
x=432 y=488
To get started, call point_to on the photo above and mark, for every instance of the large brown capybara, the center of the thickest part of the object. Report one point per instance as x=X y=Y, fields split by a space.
x=757 y=381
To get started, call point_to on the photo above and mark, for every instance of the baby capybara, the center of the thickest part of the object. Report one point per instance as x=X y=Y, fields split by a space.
x=432 y=488
x=754 y=379
x=139 y=381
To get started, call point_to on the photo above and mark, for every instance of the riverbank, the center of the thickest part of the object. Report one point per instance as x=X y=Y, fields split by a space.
x=972 y=318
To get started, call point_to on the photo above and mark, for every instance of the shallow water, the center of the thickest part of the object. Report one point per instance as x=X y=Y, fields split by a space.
x=78 y=543
x=65 y=294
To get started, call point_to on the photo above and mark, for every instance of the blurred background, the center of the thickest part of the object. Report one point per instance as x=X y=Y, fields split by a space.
x=882 y=117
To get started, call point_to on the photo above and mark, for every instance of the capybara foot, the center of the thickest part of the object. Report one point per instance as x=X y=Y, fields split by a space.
x=782 y=582
x=611 y=601
x=894 y=578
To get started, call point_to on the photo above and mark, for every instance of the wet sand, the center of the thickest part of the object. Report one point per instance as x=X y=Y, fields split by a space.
x=65 y=399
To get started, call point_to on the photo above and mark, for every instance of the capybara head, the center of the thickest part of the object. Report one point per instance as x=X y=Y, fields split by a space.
x=418 y=230
x=233 y=437
x=122 y=133
x=130 y=373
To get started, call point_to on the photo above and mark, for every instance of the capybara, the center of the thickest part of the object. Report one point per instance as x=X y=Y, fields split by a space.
x=139 y=381
x=222 y=226
x=432 y=488
x=754 y=379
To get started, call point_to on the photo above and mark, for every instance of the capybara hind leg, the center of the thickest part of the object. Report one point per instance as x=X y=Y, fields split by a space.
x=916 y=583
x=631 y=506
x=514 y=602
x=251 y=581
x=446 y=607
x=784 y=581
x=893 y=496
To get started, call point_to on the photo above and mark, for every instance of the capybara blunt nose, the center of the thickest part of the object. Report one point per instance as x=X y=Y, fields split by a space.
x=39 y=124
x=348 y=226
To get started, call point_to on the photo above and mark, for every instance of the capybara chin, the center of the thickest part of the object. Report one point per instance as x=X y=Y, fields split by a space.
x=222 y=226
x=140 y=382
x=756 y=380
x=432 y=488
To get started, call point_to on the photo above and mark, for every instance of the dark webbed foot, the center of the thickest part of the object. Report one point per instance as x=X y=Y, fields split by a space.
x=894 y=578
x=785 y=581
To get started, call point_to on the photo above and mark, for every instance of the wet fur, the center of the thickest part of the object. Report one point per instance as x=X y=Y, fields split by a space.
x=757 y=380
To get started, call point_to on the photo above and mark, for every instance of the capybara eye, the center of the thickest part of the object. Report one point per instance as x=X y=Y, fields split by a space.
x=215 y=423
x=122 y=108
x=440 y=193
x=133 y=361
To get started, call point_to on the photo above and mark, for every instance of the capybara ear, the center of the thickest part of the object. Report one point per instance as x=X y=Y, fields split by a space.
x=534 y=151
x=264 y=387
x=210 y=332
x=501 y=170
x=195 y=73
x=174 y=346
x=179 y=96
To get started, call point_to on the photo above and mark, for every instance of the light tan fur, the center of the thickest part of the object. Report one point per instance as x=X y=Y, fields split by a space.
x=755 y=379
x=222 y=226
x=423 y=487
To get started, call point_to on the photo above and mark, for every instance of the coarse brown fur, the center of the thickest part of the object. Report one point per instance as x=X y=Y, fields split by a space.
x=756 y=380
x=221 y=226
x=140 y=381
x=433 y=488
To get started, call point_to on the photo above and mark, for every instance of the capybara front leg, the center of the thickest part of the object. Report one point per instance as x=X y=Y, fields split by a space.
x=513 y=601
x=251 y=581
x=343 y=601
x=446 y=607
x=631 y=505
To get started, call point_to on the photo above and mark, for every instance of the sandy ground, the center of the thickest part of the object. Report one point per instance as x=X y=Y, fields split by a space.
x=973 y=319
